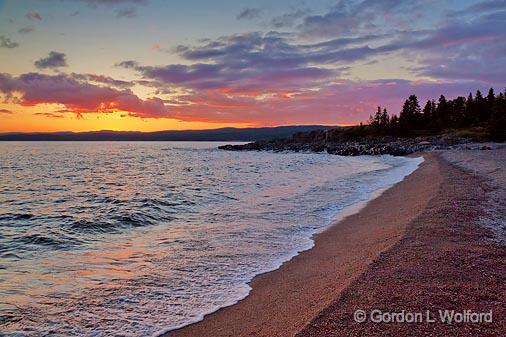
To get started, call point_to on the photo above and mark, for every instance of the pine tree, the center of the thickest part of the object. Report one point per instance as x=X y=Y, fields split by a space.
x=384 y=119
x=441 y=117
x=497 y=123
x=489 y=104
x=429 y=111
x=410 y=115
x=480 y=107
x=470 y=110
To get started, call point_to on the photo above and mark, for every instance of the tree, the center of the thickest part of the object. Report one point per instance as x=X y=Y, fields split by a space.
x=429 y=112
x=393 y=126
x=375 y=120
x=497 y=123
x=481 y=113
x=441 y=113
x=410 y=115
x=489 y=104
x=379 y=122
x=469 y=116
x=458 y=110
x=480 y=107
x=384 y=118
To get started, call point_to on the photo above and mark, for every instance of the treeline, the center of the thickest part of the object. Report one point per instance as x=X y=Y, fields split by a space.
x=485 y=113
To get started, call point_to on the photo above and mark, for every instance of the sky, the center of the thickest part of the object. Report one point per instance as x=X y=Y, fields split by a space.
x=83 y=65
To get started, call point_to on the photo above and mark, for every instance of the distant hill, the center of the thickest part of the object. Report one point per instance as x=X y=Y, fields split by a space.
x=223 y=134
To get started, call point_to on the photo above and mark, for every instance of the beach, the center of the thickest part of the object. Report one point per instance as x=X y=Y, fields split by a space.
x=426 y=244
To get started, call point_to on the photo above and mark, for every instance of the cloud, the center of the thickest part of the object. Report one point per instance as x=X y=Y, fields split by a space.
x=249 y=14
x=96 y=3
x=300 y=76
x=364 y=16
x=78 y=96
x=52 y=61
x=480 y=7
x=343 y=102
x=5 y=111
x=259 y=63
x=5 y=42
x=275 y=77
x=288 y=19
x=127 y=13
x=26 y=30
x=49 y=114
x=471 y=50
x=102 y=80
x=34 y=16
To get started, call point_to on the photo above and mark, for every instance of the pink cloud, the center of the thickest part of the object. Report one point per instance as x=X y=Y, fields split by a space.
x=347 y=102
x=344 y=102
x=79 y=96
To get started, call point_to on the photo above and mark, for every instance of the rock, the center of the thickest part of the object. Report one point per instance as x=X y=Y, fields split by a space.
x=335 y=142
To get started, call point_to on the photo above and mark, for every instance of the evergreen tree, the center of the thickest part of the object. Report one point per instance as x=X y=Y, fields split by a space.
x=480 y=107
x=410 y=115
x=384 y=119
x=429 y=112
x=458 y=111
x=470 y=110
x=393 y=126
x=489 y=104
x=497 y=123
x=482 y=113
x=441 y=114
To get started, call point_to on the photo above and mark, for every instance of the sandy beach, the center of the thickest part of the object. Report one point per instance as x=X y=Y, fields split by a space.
x=424 y=244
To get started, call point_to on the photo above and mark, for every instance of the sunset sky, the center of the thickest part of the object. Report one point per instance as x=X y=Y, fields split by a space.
x=76 y=65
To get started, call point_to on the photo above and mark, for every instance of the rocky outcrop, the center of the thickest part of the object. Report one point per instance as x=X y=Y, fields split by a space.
x=335 y=142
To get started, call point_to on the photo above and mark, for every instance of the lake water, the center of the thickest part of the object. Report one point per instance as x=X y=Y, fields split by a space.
x=136 y=238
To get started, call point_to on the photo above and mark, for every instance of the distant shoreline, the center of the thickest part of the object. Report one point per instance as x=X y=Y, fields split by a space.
x=218 y=135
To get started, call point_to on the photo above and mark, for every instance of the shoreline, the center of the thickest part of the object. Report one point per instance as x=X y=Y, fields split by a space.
x=449 y=259
x=261 y=314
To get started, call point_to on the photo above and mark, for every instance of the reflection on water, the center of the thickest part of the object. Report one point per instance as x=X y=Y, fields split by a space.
x=128 y=239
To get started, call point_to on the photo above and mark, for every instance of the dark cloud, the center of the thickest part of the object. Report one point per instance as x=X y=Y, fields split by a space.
x=49 y=114
x=249 y=14
x=259 y=62
x=281 y=78
x=26 y=30
x=364 y=16
x=247 y=77
x=5 y=111
x=470 y=50
x=95 y=3
x=127 y=13
x=34 y=16
x=480 y=7
x=288 y=19
x=128 y=64
x=103 y=80
x=52 y=61
x=5 y=42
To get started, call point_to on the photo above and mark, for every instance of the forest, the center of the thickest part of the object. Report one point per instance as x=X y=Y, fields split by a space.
x=474 y=116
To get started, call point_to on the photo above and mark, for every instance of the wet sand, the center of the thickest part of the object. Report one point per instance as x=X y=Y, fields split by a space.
x=450 y=258
x=284 y=301
x=427 y=243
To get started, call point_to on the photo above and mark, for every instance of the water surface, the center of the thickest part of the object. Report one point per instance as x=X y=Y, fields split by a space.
x=134 y=238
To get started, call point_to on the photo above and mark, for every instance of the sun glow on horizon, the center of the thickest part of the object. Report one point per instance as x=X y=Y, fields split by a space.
x=42 y=119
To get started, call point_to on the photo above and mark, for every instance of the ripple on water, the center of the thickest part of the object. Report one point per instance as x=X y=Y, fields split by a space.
x=110 y=239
